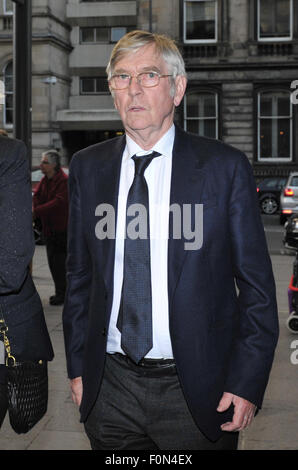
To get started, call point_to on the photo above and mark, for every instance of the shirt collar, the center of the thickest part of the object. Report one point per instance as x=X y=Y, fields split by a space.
x=164 y=146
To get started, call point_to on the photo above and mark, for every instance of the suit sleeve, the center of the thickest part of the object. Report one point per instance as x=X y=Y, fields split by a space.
x=257 y=329
x=75 y=313
x=16 y=234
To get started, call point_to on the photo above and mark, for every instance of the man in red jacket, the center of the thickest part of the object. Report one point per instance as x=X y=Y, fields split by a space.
x=50 y=204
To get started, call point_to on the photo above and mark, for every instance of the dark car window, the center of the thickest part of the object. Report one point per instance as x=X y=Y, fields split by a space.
x=282 y=183
x=294 y=181
x=273 y=183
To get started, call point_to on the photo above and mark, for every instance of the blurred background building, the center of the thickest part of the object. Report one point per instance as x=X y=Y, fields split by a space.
x=241 y=58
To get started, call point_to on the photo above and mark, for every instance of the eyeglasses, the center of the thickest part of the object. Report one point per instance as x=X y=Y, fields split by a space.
x=44 y=163
x=122 y=81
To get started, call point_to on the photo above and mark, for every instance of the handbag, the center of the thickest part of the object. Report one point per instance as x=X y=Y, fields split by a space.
x=27 y=388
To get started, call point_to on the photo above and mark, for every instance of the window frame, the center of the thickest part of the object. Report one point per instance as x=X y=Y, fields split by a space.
x=81 y=35
x=276 y=39
x=291 y=117
x=201 y=41
x=197 y=91
x=5 y=10
x=95 y=41
x=7 y=125
x=92 y=93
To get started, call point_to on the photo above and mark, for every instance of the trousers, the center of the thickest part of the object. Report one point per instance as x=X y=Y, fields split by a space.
x=139 y=409
x=56 y=246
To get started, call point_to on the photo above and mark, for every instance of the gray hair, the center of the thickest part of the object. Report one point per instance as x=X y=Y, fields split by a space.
x=53 y=158
x=164 y=45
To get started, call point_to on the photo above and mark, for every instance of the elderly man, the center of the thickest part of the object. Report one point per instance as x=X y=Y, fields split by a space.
x=163 y=352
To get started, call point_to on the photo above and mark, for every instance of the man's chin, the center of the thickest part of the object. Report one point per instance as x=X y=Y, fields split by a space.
x=137 y=125
x=137 y=128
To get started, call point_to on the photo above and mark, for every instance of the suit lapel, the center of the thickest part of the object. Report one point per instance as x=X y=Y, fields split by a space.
x=187 y=182
x=107 y=177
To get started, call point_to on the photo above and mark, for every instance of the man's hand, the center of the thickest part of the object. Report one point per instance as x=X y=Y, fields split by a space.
x=244 y=412
x=76 y=386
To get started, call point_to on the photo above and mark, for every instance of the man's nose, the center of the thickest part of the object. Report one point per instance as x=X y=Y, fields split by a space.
x=134 y=86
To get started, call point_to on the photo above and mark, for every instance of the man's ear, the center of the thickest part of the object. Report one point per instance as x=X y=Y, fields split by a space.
x=180 y=87
x=113 y=96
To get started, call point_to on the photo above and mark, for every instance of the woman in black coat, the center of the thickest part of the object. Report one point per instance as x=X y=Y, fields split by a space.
x=20 y=305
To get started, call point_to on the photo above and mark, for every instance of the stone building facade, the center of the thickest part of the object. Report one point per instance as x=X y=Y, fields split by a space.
x=242 y=63
x=50 y=70
x=241 y=59
x=95 y=28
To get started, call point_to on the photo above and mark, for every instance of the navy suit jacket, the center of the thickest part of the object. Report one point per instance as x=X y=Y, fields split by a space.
x=222 y=304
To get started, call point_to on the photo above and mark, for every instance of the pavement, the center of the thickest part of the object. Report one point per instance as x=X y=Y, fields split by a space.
x=274 y=428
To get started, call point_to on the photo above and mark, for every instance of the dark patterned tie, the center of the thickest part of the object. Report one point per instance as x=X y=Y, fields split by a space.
x=135 y=315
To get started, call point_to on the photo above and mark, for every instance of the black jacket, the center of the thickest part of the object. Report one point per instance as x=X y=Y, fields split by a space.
x=20 y=304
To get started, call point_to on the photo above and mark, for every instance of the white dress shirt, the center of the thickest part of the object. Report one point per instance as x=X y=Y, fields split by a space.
x=158 y=178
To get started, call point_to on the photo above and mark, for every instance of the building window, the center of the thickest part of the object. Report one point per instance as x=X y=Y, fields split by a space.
x=102 y=35
x=93 y=85
x=117 y=33
x=8 y=104
x=201 y=113
x=275 y=126
x=200 y=21
x=94 y=35
x=275 y=20
x=8 y=7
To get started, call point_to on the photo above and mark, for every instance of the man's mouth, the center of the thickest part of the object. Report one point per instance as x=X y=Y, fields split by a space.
x=136 y=109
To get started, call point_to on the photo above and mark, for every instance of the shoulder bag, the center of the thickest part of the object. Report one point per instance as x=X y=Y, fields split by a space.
x=27 y=388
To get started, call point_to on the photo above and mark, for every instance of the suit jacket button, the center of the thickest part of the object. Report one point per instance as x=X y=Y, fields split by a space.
x=104 y=332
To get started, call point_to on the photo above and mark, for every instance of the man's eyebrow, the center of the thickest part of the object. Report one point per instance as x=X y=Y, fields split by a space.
x=152 y=68
x=119 y=71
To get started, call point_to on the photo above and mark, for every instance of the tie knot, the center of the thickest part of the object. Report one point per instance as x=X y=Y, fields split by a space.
x=141 y=163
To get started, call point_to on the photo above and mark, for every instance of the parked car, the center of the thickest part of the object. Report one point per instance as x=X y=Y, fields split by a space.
x=269 y=194
x=289 y=198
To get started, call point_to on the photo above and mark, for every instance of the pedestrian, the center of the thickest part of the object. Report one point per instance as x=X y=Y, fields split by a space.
x=50 y=205
x=162 y=352
x=20 y=305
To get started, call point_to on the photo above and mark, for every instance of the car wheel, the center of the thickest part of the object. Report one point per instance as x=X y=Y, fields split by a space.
x=269 y=205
